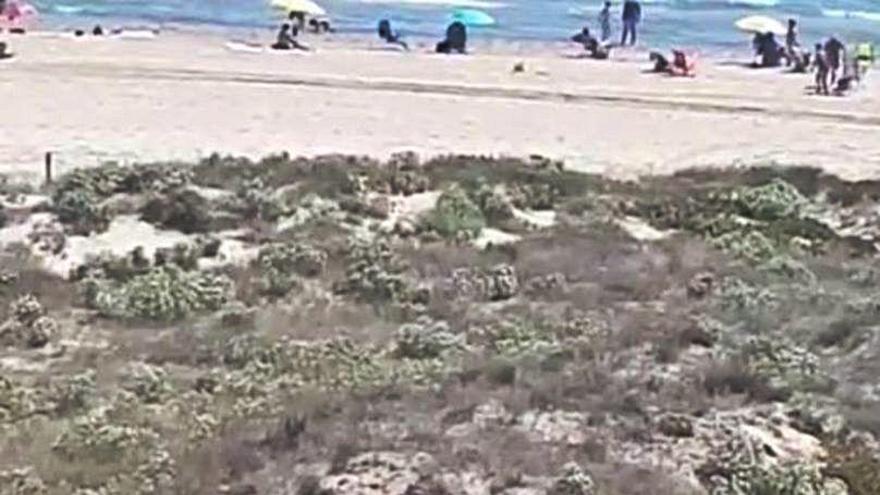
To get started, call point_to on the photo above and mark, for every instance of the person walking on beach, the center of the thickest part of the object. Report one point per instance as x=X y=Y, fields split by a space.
x=632 y=15
x=793 y=54
x=605 y=22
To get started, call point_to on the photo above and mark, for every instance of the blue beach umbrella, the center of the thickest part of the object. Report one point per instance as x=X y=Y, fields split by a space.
x=473 y=17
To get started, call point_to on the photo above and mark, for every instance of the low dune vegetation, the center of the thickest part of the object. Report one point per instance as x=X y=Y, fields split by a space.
x=461 y=325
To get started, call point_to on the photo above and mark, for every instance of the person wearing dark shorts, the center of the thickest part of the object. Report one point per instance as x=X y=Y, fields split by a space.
x=835 y=51
x=632 y=15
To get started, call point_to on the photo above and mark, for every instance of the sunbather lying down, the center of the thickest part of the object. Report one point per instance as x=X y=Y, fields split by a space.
x=682 y=65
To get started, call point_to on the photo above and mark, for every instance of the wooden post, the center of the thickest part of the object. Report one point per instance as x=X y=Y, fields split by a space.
x=48 y=163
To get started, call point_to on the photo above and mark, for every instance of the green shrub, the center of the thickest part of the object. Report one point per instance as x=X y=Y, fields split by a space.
x=164 y=293
x=21 y=481
x=573 y=480
x=772 y=201
x=81 y=212
x=184 y=210
x=28 y=325
x=455 y=216
x=149 y=383
x=374 y=273
x=281 y=264
x=425 y=339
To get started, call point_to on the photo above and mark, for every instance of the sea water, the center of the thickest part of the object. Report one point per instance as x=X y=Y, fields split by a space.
x=695 y=24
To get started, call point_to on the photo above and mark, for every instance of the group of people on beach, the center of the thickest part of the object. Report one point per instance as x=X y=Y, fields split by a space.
x=836 y=70
x=679 y=64
x=286 y=39
x=600 y=48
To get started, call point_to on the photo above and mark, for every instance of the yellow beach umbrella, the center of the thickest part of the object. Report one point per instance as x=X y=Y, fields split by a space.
x=760 y=24
x=305 y=6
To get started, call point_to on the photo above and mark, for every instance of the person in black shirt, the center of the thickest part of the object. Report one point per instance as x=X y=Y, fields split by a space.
x=632 y=15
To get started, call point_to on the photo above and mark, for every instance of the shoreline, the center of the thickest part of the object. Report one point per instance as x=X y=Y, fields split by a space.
x=184 y=96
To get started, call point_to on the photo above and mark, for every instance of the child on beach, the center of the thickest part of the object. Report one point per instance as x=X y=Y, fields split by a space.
x=820 y=63
x=605 y=22
x=794 y=56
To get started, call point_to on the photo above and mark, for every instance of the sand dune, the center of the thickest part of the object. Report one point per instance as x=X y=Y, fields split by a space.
x=182 y=97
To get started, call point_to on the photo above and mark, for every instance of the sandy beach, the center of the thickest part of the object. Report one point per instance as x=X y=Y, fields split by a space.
x=182 y=96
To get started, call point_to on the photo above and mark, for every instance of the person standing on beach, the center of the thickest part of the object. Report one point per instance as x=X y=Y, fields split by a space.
x=835 y=52
x=792 y=45
x=605 y=22
x=820 y=62
x=632 y=15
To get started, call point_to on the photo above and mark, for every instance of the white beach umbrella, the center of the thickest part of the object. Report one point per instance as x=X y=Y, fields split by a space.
x=760 y=24
x=305 y=6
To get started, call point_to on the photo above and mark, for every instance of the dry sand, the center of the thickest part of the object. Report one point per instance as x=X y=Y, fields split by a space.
x=183 y=97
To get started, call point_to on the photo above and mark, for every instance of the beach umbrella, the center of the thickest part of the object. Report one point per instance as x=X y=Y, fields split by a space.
x=760 y=24
x=472 y=17
x=305 y=6
x=18 y=14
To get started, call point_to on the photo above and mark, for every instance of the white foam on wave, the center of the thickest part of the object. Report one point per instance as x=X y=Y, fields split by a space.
x=68 y=9
x=476 y=4
x=852 y=14
x=754 y=3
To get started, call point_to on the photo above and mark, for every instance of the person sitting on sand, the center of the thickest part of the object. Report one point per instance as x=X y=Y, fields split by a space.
x=4 y=54
x=389 y=35
x=661 y=63
x=456 y=39
x=591 y=44
x=286 y=39
x=682 y=65
x=820 y=63
x=767 y=50
x=320 y=25
x=835 y=51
